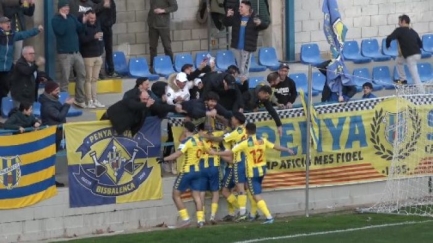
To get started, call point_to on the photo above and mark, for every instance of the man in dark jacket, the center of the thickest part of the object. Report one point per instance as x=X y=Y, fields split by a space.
x=284 y=87
x=245 y=32
x=158 y=21
x=224 y=85
x=16 y=14
x=7 y=40
x=208 y=106
x=141 y=84
x=23 y=79
x=66 y=28
x=107 y=18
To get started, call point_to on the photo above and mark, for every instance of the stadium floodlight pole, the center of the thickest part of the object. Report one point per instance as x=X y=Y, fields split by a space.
x=308 y=139
x=209 y=26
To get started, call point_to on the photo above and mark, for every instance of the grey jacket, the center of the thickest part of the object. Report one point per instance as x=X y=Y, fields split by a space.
x=161 y=21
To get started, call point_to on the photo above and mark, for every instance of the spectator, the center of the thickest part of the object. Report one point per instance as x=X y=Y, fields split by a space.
x=158 y=90
x=79 y=7
x=42 y=78
x=262 y=96
x=367 y=87
x=22 y=118
x=178 y=88
x=130 y=114
x=16 y=15
x=208 y=106
x=191 y=75
x=245 y=32
x=196 y=92
x=91 y=49
x=52 y=111
x=141 y=84
x=158 y=21
x=23 y=79
x=66 y=29
x=8 y=3
x=336 y=91
x=224 y=85
x=409 y=49
x=107 y=18
x=7 y=40
x=284 y=87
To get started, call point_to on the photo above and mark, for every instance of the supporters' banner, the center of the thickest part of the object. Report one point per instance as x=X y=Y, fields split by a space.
x=353 y=142
x=109 y=168
x=27 y=168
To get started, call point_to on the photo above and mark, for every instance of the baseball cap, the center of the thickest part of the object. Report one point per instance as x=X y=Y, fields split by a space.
x=197 y=81
x=181 y=77
x=4 y=20
x=284 y=65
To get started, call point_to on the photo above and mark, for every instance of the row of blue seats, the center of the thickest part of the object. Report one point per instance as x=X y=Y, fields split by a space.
x=7 y=106
x=138 y=67
x=370 y=50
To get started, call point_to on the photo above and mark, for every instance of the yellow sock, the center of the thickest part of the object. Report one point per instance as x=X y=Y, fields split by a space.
x=231 y=209
x=214 y=209
x=242 y=201
x=184 y=214
x=262 y=206
x=253 y=210
x=200 y=216
x=233 y=201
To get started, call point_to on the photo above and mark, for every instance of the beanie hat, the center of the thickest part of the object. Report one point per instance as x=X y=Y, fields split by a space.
x=50 y=87
x=62 y=3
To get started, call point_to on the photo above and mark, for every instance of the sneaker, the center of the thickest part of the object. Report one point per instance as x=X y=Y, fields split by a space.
x=59 y=184
x=98 y=104
x=253 y=218
x=212 y=221
x=91 y=105
x=242 y=217
x=269 y=221
x=200 y=224
x=183 y=224
x=228 y=218
x=81 y=105
x=113 y=75
x=101 y=76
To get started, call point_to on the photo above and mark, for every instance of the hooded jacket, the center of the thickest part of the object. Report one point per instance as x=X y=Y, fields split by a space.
x=173 y=91
x=17 y=119
x=229 y=99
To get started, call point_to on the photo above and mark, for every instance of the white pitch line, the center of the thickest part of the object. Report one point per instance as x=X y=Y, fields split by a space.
x=334 y=231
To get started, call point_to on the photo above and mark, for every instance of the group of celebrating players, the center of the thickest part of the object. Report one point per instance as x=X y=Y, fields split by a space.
x=245 y=155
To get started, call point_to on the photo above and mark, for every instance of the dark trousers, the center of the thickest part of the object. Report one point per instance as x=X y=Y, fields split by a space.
x=108 y=42
x=170 y=139
x=4 y=85
x=154 y=35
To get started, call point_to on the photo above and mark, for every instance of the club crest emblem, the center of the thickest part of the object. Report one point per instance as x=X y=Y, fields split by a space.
x=10 y=171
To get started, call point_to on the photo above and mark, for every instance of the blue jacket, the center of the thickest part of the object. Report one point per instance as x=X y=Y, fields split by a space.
x=66 y=32
x=369 y=96
x=7 y=40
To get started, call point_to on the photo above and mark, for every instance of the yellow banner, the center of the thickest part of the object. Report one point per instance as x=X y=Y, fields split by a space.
x=353 y=142
x=109 y=168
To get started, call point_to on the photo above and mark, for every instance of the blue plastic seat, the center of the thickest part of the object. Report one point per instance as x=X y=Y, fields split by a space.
x=318 y=81
x=120 y=63
x=199 y=57
x=254 y=81
x=268 y=58
x=408 y=75
x=425 y=71
x=73 y=112
x=37 y=109
x=427 y=43
x=7 y=106
x=352 y=53
x=182 y=59
x=382 y=76
x=370 y=48
x=138 y=67
x=63 y=96
x=310 y=54
x=392 y=51
x=163 y=66
x=361 y=76
x=224 y=59
x=301 y=82
x=255 y=67
x=425 y=54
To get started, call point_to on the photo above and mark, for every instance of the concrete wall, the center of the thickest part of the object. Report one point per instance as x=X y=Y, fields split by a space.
x=54 y=219
x=364 y=19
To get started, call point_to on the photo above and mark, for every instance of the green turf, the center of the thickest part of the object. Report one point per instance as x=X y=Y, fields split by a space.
x=246 y=231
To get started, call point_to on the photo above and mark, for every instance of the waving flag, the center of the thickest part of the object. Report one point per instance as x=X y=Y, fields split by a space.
x=335 y=32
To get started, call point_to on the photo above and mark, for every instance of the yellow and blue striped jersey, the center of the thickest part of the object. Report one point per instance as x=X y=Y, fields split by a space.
x=213 y=160
x=193 y=149
x=235 y=137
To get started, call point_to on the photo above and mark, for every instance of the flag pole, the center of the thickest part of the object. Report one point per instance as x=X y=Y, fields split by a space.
x=307 y=156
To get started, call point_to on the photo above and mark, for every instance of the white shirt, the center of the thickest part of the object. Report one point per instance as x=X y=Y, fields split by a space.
x=184 y=93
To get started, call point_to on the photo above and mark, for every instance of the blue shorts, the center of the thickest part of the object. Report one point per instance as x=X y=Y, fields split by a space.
x=190 y=180
x=255 y=185
x=210 y=176
x=228 y=181
x=239 y=172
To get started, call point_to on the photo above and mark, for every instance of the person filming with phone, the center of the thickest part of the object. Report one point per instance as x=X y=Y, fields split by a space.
x=245 y=32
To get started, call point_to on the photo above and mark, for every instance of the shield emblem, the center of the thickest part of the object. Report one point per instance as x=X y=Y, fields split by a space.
x=10 y=171
x=395 y=127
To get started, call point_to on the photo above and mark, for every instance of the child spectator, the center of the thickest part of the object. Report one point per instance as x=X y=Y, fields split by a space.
x=22 y=118
x=368 y=88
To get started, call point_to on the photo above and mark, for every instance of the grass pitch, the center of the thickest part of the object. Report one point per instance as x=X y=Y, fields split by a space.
x=353 y=228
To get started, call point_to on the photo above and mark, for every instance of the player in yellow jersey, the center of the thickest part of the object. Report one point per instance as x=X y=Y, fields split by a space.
x=255 y=151
x=235 y=173
x=189 y=177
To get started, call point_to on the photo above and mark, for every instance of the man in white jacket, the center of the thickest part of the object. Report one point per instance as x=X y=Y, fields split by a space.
x=178 y=88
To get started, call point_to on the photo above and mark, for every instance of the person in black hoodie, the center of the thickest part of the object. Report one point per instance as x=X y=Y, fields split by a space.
x=285 y=88
x=22 y=118
x=108 y=17
x=224 y=85
x=91 y=50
